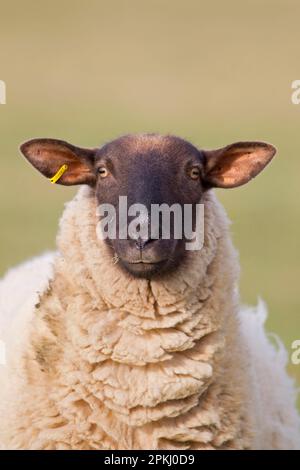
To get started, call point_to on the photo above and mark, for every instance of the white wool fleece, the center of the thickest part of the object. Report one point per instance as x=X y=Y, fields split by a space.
x=107 y=361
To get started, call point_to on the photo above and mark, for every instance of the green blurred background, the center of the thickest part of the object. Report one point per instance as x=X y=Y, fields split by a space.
x=211 y=72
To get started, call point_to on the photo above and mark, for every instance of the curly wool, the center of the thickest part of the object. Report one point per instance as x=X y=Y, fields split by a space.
x=108 y=361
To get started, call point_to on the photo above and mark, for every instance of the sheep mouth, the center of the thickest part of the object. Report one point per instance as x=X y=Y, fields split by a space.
x=144 y=268
x=141 y=261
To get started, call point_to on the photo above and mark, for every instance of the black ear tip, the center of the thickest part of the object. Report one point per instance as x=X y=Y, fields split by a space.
x=268 y=149
x=29 y=144
x=24 y=148
x=271 y=149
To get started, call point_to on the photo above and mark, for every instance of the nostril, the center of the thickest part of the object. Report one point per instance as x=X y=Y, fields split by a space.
x=140 y=243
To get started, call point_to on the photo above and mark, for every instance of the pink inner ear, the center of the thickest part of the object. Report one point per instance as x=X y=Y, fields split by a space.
x=236 y=166
x=48 y=156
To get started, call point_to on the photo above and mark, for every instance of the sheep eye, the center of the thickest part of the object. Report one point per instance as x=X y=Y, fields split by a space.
x=103 y=172
x=194 y=173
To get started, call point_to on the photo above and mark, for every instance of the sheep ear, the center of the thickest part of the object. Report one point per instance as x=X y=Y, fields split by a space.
x=236 y=164
x=49 y=155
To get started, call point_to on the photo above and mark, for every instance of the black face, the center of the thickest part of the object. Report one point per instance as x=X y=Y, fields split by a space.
x=149 y=171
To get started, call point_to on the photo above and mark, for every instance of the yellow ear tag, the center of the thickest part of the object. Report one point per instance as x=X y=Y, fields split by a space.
x=59 y=174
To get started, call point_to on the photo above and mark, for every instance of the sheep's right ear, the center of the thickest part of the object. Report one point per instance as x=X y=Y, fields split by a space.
x=49 y=155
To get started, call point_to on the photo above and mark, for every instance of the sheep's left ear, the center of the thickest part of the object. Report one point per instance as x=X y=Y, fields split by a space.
x=236 y=164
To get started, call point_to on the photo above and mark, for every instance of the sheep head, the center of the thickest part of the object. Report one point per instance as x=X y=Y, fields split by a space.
x=149 y=170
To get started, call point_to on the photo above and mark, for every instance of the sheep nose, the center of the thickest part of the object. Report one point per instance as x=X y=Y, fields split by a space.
x=140 y=243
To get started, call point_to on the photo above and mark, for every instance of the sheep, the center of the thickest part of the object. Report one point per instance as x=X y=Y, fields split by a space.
x=140 y=344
